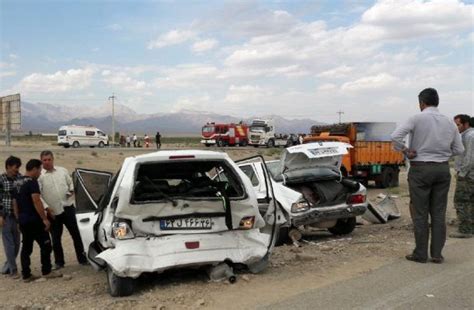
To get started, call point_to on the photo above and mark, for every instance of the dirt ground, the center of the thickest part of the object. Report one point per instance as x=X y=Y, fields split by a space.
x=321 y=260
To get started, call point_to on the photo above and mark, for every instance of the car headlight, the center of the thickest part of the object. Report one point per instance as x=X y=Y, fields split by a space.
x=299 y=207
x=122 y=231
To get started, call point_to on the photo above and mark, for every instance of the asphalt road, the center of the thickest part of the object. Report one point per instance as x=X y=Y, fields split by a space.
x=400 y=285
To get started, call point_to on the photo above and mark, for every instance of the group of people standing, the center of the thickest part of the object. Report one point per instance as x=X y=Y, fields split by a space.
x=38 y=204
x=128 y=141
x=433 y=140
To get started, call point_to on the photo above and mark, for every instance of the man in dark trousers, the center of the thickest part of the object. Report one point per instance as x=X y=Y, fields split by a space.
x=158 y=140
x=10 y=233
x=57 y=193
x=434 y=139
x=34 y=223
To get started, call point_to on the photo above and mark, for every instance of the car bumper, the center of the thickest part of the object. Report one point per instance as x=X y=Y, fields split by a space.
x=132 y=257
x=316 y=215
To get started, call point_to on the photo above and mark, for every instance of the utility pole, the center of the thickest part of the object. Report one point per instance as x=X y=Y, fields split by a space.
x=113 y=118
x=340 y=112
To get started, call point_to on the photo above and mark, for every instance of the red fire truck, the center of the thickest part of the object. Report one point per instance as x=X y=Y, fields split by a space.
x=225 y=134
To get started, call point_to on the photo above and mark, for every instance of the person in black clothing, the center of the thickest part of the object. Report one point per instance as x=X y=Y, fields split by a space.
x=158 y=140
x=34 y=223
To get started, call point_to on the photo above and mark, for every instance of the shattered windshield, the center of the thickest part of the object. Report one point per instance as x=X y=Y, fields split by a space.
x=273 y=167
x=196 y=179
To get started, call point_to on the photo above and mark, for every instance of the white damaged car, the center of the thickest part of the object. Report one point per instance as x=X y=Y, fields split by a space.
x=308 y=185
x=172 y=209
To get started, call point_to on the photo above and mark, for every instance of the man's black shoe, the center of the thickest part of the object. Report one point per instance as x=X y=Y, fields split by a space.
x=437 y=260
x=413 y=258
x=57 y=267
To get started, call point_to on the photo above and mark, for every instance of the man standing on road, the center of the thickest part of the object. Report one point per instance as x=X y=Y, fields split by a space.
x=158 y=140
x=464 y=195
x=134 y=138
x=434 y=139
x=34 y=223
x=10 y=233
x=57 y=193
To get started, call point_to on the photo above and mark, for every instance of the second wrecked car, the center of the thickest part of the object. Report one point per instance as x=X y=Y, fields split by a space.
x=308 y=185
x=172 y=209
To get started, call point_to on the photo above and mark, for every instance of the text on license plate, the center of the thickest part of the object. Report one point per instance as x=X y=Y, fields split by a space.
x=186 y=223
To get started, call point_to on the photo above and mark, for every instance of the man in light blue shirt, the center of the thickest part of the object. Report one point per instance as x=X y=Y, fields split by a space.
x=434 y=139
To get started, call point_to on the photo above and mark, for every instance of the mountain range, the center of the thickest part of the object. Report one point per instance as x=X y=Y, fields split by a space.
x=47 y=118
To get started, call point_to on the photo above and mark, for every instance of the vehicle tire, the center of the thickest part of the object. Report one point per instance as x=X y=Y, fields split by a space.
x=75 y=144
x=101 y=144
x=220 y=143
x=282 y=236
x=207 y=145
x=270 y=143
x=244 y=143
x=396 y=178
x=386 y=179
x=119 y=286
x=343 y=226
x=289 y=143
x=255 y=146
x=66 y=146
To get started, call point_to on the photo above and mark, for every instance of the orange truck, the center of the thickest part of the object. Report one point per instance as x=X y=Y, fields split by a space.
x=372 y=157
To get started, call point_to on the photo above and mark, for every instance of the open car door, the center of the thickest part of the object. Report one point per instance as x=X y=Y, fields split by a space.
x=90 y=187
x=268 y=206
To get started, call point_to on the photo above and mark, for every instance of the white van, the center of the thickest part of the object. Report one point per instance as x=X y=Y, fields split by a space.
x=77 y=136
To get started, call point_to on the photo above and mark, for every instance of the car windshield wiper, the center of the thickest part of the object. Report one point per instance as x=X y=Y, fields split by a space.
x=175 y=204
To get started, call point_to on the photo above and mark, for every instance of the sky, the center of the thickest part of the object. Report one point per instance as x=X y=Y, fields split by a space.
x=297 y=59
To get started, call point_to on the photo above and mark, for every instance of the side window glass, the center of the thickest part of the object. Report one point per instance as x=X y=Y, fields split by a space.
x=250 y=172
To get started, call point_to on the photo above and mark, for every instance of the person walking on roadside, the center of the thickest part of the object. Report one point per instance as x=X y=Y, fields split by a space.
x=57 y=192
x=134 y=138
x=434 y=139
x=10 y=233
x=464 y=166
x=158 y=140
x=127 y=140
x=147 y=141
x=34 y=223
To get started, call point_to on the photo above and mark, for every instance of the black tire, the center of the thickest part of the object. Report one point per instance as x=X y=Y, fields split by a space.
x=66 y=146
x=101 y=144
x=343 y=226
x=255 y=146
x=207 y=145
x=119 y=286
x=75 y=144
x=244 y=143
x=282 y=236
x=289 y=143
x=386 y=179
x=270 y=143
x=220 y=143
x=396 y=178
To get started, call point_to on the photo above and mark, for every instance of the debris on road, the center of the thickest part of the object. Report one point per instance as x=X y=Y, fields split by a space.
x=383 y=211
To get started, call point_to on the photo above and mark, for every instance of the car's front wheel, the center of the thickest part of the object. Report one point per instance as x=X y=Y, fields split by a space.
x=119 y=286
x=343 y=226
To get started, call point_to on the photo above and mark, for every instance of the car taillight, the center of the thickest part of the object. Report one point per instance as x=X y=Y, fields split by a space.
x=355 y=199
x=247 y=222
x=192 y=245
x=122 y=231
x=181 y=157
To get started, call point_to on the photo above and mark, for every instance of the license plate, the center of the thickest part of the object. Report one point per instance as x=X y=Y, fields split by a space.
x=190 y=223
x=324 y=151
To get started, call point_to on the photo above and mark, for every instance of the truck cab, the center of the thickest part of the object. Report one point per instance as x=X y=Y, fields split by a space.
x=262 y=133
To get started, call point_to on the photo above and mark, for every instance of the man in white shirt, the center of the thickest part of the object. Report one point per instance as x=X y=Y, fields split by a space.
x=57 y=194
x=434 y=139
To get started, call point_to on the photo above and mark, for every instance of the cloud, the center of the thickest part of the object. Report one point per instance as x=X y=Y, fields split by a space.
x=4 y=74
x=60 y=81
x=114 y=27
x=375 y=82
x=187 y=76
x=204 y=45
x=13 y=56
x=247 y=94
x=172 y=37
x=122 y=81
x=407 y=19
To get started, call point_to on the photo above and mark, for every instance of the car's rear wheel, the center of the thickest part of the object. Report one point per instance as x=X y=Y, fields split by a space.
x=343 y=226
x=119 y=286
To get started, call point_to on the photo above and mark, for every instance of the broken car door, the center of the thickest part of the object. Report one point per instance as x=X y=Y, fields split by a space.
x=89 y=188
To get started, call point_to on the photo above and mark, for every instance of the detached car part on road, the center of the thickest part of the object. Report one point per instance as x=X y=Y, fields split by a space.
x=310 y=188
x=173 y=209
